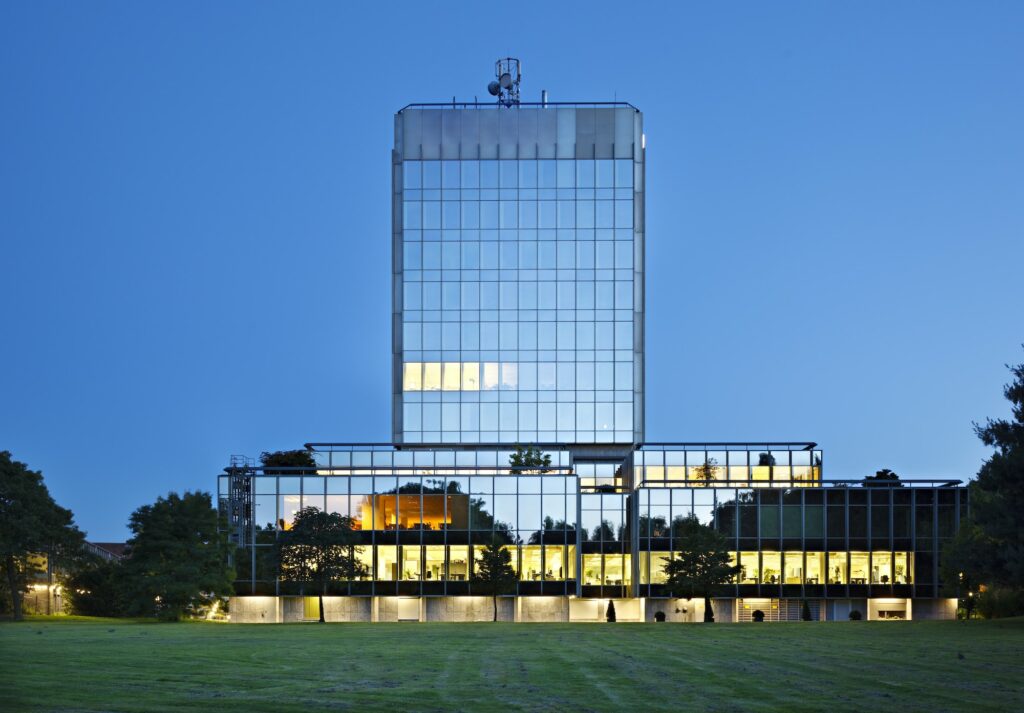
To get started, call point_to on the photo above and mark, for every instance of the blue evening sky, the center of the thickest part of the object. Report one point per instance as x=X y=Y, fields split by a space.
x=195 y=217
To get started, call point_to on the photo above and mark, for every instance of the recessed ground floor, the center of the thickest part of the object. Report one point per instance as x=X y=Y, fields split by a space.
x=285 y=609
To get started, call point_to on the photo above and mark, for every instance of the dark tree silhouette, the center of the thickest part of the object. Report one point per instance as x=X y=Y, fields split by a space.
x=700 y=565
x=884 y=478
x=177 y=560
x=320 y=548
x=494 y=574
x=31 y=524
x=281 y=462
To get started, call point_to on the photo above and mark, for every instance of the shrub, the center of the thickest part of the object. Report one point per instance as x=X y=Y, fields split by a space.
x=855 y=615
x=996 y=603
x=610 y=614
x=758 y=616
x=659 y=616
x=805 y=612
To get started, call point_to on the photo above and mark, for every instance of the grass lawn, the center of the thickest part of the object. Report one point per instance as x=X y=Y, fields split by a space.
x=115 y=665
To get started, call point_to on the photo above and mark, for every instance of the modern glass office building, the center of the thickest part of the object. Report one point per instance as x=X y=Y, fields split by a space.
x=518 y=274
x=518 y=318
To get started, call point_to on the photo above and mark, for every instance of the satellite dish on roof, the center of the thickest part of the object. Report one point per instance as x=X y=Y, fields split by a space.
x=505 y=80
x=494 y=88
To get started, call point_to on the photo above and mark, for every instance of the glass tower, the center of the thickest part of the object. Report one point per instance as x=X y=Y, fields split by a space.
x=518 y=268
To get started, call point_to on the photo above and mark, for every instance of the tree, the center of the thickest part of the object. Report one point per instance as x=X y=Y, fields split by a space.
x=274 y=462
x=705 y=472
x=997 y=495
x=31 y=525
x=805 y=611
x=884 y=478
x=177 y=557
x=320 y=548
x=95 y=589
x=494 y=574
x=523 y=460
x=701 y=563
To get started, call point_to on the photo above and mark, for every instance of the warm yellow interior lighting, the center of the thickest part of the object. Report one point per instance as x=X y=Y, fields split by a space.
x=432 y=376
x=412 y=379
x=452 y=376
x=471 y=376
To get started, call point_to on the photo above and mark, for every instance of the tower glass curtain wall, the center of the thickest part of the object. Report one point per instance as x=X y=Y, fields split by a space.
x=518 y=274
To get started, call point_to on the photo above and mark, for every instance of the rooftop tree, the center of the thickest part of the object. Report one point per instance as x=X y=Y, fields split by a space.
x=320 y=548
x=275 y=462
x=31 y=525
x=701 y=563
x=883 y=478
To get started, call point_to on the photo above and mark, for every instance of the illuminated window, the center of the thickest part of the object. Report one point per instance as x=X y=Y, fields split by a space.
x=903 y=567
x=471 y=376
x=387 y=562
x=432 y=376
x=554 y=562
x=433 y=563
x=837 y=562
x=881 y=568
x=413 y=377
x=458 y=563
x=490 y=376
x=411 y=561
x=509 y=375
x=452 y=376
x=652 y=567
x=793 y=569
x=531 y=568
x=859 y=570
x=815 y=568
x=592 y=569
x=771 y=567
x=750 y=569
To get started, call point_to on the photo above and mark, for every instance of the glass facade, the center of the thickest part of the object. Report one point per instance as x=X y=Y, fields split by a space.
x=422 y=516
x=518 y=275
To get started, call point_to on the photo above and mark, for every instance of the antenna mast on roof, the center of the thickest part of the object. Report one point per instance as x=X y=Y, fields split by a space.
x=509 y=71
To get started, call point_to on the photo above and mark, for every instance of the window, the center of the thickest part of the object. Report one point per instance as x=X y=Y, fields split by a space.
x=412 y=376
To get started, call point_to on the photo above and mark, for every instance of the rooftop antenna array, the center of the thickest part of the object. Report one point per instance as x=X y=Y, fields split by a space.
x=508 y=73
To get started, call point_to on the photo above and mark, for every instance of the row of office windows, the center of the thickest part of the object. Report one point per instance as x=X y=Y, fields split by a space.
x=579 y=295
x=569 y=214
x=699 y=456
x=540 y=376
x=600 y=339
x=607 y=417
x=799 y=567
x=517 y=255
x=518 y=236
x=342 y=457
x=517 y=173
x=458 y=563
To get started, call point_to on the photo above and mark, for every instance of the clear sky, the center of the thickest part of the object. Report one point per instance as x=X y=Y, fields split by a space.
x=195 y=217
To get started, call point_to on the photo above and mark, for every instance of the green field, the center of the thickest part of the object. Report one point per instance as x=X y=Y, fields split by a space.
x=114 y=665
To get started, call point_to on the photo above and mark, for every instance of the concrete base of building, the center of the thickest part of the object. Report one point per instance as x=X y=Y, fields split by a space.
x=276 y=610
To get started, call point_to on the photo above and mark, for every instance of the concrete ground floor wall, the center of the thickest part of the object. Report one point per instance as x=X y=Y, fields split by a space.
x=276 y=610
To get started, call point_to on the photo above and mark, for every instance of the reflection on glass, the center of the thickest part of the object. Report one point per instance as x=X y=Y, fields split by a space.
x=490 y=376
